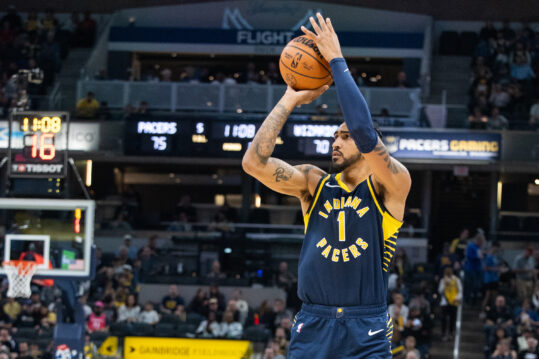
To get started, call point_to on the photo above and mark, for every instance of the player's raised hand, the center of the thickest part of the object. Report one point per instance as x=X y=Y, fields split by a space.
x=324 y=36
x=303 y=97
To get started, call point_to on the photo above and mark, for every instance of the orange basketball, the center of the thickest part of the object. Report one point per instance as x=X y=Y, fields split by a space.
x=302 y=66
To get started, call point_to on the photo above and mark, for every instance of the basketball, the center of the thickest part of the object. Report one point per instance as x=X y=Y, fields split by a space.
x=302 y=66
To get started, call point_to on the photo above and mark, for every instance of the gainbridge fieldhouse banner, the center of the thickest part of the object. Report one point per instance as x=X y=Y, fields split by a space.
x=473 y=146
x=173 y=348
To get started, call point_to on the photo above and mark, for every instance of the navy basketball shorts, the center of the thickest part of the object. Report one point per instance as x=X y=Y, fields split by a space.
x=322 y=332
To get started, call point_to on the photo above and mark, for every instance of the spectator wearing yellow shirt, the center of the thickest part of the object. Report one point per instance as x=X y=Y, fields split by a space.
x=32 y=23
x=49 y=22
x=12 y=308
x=87 y=106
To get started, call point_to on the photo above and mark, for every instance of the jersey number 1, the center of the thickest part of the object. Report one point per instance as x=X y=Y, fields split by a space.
x=342 y=233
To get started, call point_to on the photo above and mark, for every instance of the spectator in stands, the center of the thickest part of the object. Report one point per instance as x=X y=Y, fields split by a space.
x=521 y=70
x=402 y=81
x=508 y=33
x=97 y=321
x=272 y=351
x=83 y=300
x=279 y=312
x=215 y=272
x=285 y=279
x=242 y=306
x=398 y=302
x=524 y=268
x=172 y=300
x=458 y=245
x=280 y=338
x=32 y=26
x=488 y=31
x=444 y=260
x=209 y=327
x=504 y=351
x=409 y=347
x=401 y=263
x=12 y=18
x=26 y=318
x=12 y=308
x=147 y=263
x=184 y=205
x=230 y=328
x=251 y=75
x=87 y=106
x=143 y=109
x=49 y=21
x=497 y=121
x=498 y=316
x=129 y=251
x=166 y=75
x=214 y=292
x=273 y=74
x=491 y=268
x=7 y=341
x=24 y=350
x=531 y=350
x=499 y=96
x=87 y=29
x=525 y=315
x=534 y=114
x=148 y=315
x=473 y=268
x=450 y=290
x=199 y=303
x=130 y=311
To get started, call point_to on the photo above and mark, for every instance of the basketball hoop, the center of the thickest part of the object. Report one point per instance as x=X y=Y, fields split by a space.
x=19 y=275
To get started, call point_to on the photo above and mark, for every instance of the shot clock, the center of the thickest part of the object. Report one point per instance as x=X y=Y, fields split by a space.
x=37 y=144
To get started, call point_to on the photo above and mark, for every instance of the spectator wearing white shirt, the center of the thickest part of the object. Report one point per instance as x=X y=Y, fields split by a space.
x=398 y=301
x=209 y=328
x=230 y=328
x=129 y=312
x=148 y=315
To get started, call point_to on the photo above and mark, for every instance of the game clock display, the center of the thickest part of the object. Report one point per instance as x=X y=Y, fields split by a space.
x=37 y=144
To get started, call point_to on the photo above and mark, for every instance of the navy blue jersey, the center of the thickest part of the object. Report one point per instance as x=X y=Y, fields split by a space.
x=350 y=240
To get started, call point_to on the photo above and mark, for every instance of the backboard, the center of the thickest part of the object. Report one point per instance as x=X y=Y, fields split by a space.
x=57 y=234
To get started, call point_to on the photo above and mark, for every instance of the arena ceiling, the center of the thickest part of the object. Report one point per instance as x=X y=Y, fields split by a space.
x=516 y=10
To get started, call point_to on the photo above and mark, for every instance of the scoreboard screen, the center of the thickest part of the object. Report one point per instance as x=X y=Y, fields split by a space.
x=37 y=144
x=215 y=137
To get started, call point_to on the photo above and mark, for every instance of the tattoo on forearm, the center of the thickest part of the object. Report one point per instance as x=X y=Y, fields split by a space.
x=264 y=141
x=283 y=174
x=381 y=151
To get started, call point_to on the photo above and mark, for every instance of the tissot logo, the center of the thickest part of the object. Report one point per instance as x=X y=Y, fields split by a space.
x=296 y=60
x=37 y=168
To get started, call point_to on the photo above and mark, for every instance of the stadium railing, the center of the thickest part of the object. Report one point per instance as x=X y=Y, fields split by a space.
x=238 y=98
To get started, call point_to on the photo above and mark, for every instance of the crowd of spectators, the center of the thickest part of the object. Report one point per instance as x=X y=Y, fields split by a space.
x=34 y=47
x=503 y=84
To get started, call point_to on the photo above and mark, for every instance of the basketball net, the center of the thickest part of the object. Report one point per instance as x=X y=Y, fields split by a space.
x=19 y=275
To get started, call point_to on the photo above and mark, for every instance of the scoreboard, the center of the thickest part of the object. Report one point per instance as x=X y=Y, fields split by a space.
x=200 y=137
x=37 y=144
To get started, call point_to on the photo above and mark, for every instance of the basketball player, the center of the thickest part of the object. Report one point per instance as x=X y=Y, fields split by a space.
x=352 y=218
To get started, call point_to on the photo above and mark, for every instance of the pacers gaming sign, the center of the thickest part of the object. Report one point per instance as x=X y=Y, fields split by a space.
x=475 y=146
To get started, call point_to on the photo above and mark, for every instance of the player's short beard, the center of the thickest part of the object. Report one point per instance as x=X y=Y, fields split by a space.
x=336 y=168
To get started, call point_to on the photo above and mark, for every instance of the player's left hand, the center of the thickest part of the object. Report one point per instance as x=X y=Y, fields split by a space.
x=304 y=97
x=324 y=36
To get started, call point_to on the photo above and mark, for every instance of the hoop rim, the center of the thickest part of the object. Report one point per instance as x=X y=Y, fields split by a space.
x=21 y=265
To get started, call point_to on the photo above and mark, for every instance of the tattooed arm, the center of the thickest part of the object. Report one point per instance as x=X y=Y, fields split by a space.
x=299 y=181
x=391 y=179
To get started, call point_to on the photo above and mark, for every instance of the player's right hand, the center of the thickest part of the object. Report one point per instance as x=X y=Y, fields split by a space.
x=303 y=97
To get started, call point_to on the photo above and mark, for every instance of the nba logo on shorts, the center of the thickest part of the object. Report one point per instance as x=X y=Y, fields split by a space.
x=300 y=326
x=296 y=60
x=63 y=352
